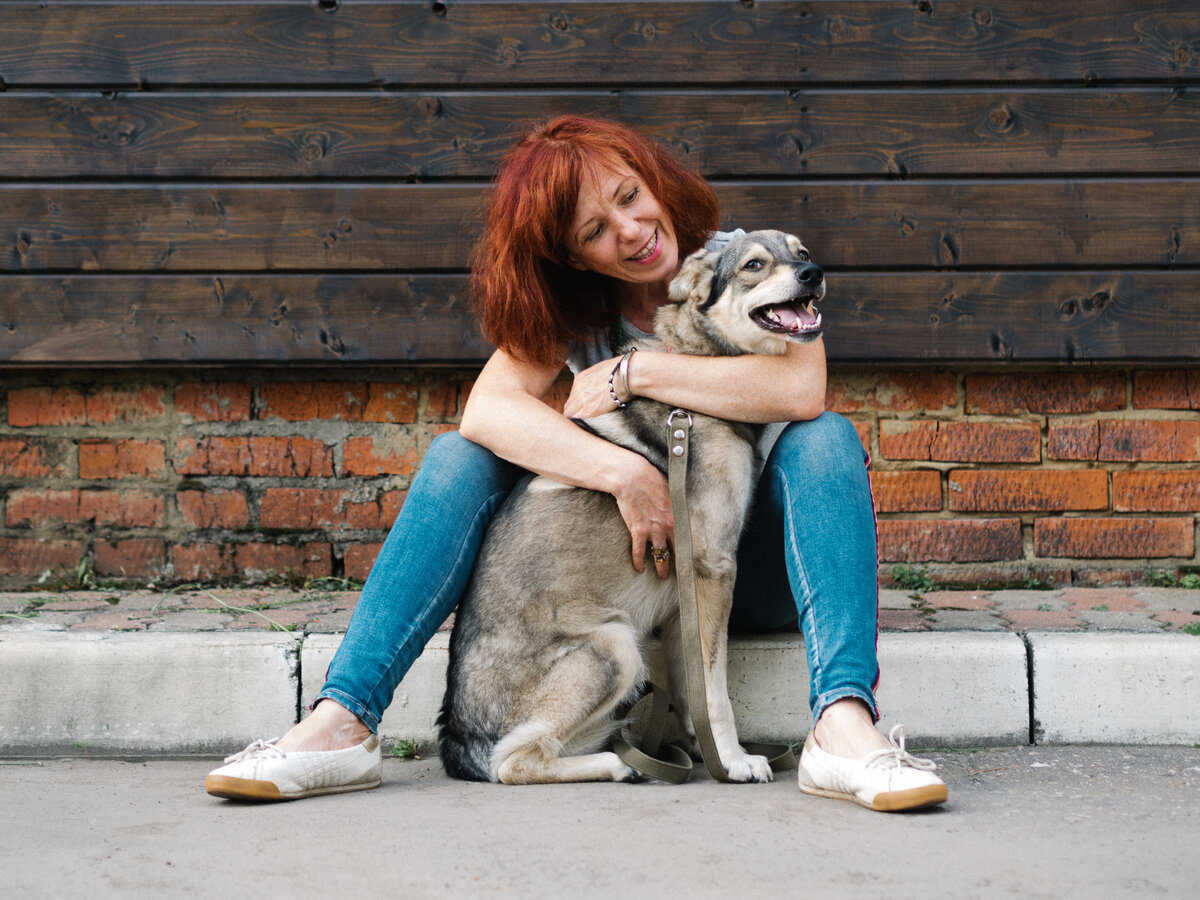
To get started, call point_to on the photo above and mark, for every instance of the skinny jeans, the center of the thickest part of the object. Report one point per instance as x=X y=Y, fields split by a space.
x=807 y=556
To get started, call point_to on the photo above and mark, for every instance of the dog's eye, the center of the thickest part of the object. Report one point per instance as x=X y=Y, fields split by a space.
x=753 y=265
x=804 y=257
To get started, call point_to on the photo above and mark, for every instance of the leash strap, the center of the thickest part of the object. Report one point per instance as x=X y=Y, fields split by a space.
x=780 y=756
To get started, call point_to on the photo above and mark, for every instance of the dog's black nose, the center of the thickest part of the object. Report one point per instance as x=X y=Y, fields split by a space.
x=810 y=275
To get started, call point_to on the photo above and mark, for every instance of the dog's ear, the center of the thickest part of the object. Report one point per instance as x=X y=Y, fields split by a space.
x=695 y=276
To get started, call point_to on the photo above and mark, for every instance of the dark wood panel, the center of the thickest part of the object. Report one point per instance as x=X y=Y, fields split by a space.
x=150 y=45
x=850 y=225
x=251 y=319
x=1015 y=316
x=724 y=133
x=886 y=317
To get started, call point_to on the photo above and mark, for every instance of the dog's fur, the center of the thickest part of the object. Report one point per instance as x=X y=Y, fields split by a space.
x=548 y=639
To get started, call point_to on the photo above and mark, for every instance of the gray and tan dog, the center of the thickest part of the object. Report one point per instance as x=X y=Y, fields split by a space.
x=548 y=640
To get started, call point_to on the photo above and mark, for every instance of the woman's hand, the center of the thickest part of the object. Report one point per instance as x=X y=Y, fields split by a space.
x=589 y=391
x=645 y=504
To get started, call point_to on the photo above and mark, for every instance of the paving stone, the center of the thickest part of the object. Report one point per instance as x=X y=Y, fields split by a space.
x=193 y=620
x=966 y=620
x=1102 y=599
x=1156 y=599
x=902 y=620
x=1027 y=619
x=976 y=600
x=892 y=599
x=1178 y=619
x=1003 y=600
x=1104 y=620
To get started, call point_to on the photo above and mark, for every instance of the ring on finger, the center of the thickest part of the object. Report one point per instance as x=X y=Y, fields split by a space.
x=660 y=554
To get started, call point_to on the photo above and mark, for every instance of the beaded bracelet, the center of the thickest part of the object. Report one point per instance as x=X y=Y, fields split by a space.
x=621 y=367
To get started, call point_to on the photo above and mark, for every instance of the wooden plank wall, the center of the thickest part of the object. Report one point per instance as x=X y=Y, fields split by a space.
x=297 y=182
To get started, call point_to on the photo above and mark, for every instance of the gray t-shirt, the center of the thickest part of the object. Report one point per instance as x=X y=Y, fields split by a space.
x=583 y=354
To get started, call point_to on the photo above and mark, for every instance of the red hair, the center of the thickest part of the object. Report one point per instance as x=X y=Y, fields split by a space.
x=528 y=297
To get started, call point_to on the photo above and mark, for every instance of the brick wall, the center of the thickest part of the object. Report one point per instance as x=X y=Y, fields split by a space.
x=1060 y=476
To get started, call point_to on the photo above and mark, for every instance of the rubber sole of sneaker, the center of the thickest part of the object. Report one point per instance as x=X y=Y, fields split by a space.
x=892 y=801
x=267 y=791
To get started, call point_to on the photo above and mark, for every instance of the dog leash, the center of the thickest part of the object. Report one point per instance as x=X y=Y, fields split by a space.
x=779 y=756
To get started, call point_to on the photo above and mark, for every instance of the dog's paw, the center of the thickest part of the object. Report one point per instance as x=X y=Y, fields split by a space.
x=747 y=769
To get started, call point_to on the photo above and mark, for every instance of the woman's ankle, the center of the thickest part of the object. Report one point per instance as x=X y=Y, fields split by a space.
x=330 y=726
x=846 y=728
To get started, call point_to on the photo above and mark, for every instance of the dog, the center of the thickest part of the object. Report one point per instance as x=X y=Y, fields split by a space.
x=548 y=641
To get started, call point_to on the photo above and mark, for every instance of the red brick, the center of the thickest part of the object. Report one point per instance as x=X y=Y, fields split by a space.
x=214 y=402
x=987 y=442
x=916 y=491
x=284 y=457
x=1024 y=490
x=395 y=403
x=214 y=509
x=302 y=402
x=122 y=459
x=909 y=439
x=1156 y=491
x=30 y=556
x=1073 y=439
x=1114 y=538
x=371 y=456
x=126 y=509
x=34 y=458
x=257 y=560
x=949 y=540
x=133 y=558
x=443 y=401
x=359 y=559
x=204 y=562
x=302 y=508
x=1149 y=441
x=1045 y=392
x=1167 y=389
x=1177 y=619
x=891 y=392
x=46 y=406
x=960 y=441
x=114 y=404
x=41 y=507
x=375 y=514
x=863 y=430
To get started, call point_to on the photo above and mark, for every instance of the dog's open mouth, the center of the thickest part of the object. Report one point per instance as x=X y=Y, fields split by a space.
x=794 y=317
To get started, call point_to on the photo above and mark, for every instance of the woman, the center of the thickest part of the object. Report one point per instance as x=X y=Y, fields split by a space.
x=587 y=224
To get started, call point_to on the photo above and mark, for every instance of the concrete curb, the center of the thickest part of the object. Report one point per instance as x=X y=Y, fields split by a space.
x=108 y=693
x=112 y=693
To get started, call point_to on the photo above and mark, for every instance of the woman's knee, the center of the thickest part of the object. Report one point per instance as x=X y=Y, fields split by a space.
x=454 y=459
x=821 y=443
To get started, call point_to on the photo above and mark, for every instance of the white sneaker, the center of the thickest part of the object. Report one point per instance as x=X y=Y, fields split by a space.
x=887 y=780
x=264 y=772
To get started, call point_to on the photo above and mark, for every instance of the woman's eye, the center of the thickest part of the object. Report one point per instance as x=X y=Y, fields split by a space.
x=592 y=235
x=631 y=196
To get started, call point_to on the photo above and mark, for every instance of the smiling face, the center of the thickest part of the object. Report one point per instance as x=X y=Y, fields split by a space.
x=620 y=230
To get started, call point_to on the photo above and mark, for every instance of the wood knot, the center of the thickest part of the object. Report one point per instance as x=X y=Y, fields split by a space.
x=430 y=107
x=328 y=6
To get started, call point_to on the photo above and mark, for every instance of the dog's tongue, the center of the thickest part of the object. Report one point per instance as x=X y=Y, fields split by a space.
x=794 y=318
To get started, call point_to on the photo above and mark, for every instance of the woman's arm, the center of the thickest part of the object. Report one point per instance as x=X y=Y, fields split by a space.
x=505 y=413
x=786 y=388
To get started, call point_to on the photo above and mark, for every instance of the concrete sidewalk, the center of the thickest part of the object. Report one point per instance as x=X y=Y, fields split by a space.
x=1041 y=822
x=205 y=672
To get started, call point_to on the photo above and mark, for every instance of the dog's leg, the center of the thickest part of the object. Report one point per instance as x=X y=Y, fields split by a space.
x=715 y=595
x=571 y=706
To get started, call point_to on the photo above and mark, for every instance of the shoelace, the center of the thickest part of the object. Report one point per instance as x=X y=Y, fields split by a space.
x=896 y=756
x=258 y=748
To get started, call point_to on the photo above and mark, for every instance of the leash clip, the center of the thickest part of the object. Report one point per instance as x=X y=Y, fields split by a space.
x=679 y=435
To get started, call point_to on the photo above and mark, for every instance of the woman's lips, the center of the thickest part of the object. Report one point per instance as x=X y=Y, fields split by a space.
x=649 y=251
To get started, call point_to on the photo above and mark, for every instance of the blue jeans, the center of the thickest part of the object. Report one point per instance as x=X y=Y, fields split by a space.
x=808 y=556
